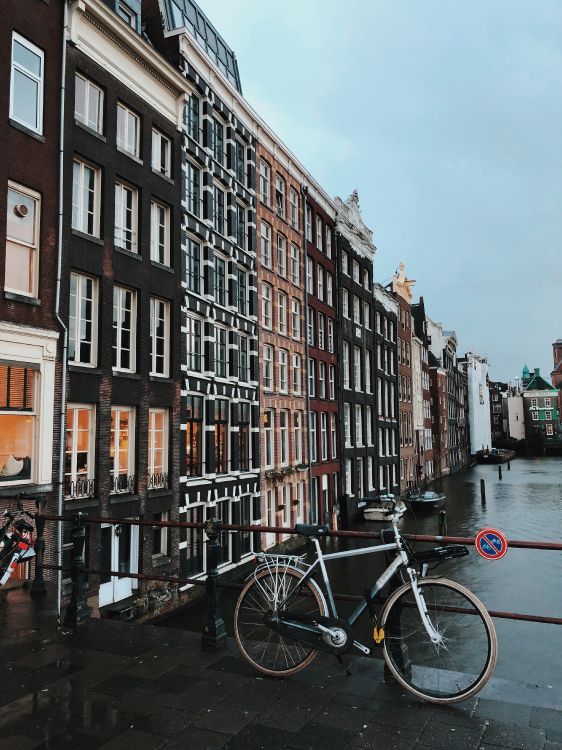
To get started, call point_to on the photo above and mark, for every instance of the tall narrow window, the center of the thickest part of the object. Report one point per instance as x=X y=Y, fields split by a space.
x=309 y=223
x=319 y=233
x=218 y=210
x=192 y=188
x=280 y=195
x=157 y=449
x=321 y=380
x=330 y=335
x=320 y=281
x=161 y=153
x=244 y=438
x=122 y=449
x=193 y=343
x=26 y=84
x=329 y=289
x=312 y=437
x=324 y=436
x=311 y=377
x=86 y=198
x=321 y=331
x=265 y=182
x=220 y=280
x=268 y=424
x=332 y=380
x=345 y=364
x=83 y=311
x=282 y=255
x=294 y=200
x=217 y=140
x=193 y=266
x=310 y=326
x=268 y=367
x=296 y=319
x=221 y=363
x=333 y=436
x=283 y=370
x=221 y=436
x=296 y=366
x=295 y=265
x=358 y=424
x=22 y=241
x=194 y=436
x=266 y=306
x=124 y=329
x=284 y=436
x=357 y=368
x=345 y=263
x=297 y=432
x=159 y=336
x=345 y=303
x=160 y=233
x=328 y=241
x=191 y=118
x=265 y=244
x=347 y=424
x=239 y=165
x=243 y=359
x=309 y=275
x=88 y=103
x=126 y=221
x=282 y=313
x=128 y=131
x=79 y=451
x=242 y=291
x=241 y=226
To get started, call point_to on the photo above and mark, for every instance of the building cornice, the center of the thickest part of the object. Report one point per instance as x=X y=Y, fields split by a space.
x=350 y=225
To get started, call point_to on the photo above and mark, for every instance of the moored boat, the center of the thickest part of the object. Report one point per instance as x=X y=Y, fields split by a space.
x=495 y=456
x=384 y=509
x=427 y=500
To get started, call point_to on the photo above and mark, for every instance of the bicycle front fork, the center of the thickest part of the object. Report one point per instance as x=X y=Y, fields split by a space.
x=434 y=636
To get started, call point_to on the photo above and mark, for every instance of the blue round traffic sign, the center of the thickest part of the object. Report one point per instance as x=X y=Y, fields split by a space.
x=491 y=544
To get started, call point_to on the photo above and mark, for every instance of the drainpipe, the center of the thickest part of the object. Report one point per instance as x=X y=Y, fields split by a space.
x=313 y=508
x=57 y=309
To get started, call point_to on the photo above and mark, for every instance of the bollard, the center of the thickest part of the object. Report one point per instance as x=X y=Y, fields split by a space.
x=483 y=491
x=214 y=632
x=38 y=587
x=77 y=612
x=499 y=472
x=442 y=523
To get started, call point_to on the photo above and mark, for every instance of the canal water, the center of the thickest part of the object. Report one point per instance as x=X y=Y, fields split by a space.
x=525 y=504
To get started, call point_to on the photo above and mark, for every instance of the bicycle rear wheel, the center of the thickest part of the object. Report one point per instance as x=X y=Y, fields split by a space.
x=461 y=662
x=266 y=650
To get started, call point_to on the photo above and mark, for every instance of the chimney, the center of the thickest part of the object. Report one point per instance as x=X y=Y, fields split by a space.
x=537 y=371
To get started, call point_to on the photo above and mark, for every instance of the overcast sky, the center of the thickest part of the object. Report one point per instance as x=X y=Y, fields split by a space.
x=447 y=118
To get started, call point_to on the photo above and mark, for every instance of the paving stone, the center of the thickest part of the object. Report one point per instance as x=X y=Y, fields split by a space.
x=512 y=736
x=546 y=718
x=132 y=739
x=139 y=701
x=409 y=715
x=226 y=719
x=168 y=722
x=314 y=736
x=377 y=737
x=552 y=746
x=554 y=735
x=511 y=713
x=197 y=739
x=344 y=717
x=70 y=741
x=259 y=737
x=122 y=684
x=253 y=698
x=19 y=742
x=447 y=737
x=357 y=701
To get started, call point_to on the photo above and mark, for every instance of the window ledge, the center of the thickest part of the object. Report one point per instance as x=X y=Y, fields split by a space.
x=27 y=131
x=90 y=130
x=89 y=237
x=161 y=379
x=160 y=560
x=130 y=155
x=79 y=367
x=159 y=491
x=128 y=253
x=122 y=374
x=12 y=490
x=163 y=176
x=14 y=297
x=121 y=497
x=162 y=266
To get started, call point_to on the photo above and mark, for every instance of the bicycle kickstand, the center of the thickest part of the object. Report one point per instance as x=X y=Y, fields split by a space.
x=348 y=673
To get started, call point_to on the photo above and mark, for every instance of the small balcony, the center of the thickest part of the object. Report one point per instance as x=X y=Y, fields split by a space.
x=79 y=488
x=158 y=481
x=122 y=484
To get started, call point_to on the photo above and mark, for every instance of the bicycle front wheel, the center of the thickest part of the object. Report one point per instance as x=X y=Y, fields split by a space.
x=459 y=661
x=268 y=651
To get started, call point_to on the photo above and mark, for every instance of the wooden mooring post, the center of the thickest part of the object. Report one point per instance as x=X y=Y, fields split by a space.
x=483 y=491
x=499 y=471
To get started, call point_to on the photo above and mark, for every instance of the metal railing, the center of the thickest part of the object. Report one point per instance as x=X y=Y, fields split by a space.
x=215 y=632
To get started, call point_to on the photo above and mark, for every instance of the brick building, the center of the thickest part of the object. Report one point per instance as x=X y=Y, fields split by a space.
x=439 y=418
x=402 y=288
x=426 y=470
x=30 y=334
x=122 y=294
x=281 y=283
x=322 y=381
x=386 y=391
x=356 y=350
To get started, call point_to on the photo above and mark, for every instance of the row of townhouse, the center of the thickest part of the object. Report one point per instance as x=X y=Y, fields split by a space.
x=190 y=327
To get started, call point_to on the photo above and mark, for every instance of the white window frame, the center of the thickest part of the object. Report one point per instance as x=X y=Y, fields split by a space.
x=162 y=166
x=265 y=244
x=76 y=314
x=157 y=210
x=152 y=447
x=267 y=367
x=265 y=182
x=267 y=305
x=281 y=255
x=311 y=377
x=284 y=437
x=71 y=428
x=329 y=289
x=332 y=382
x=319 y=233
x=124 y=235
x=333 y=436
x=282 y=313
x=297 y=374
x=87 y=119
x=79 y=205
x=269 y=438
x=116 y=469
x=166 y=337
x=295 y=264
x=120 y=290
x=124 y=115
x=295 y=319
x=347 y=424
x=313 y=437
x=31 y=247
x=330 y=335
x=283 y=370
x=297 y=427
x=294 y=202
x=37 y=79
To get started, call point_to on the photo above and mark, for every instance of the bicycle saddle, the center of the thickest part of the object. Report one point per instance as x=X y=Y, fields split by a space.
x=311 y=529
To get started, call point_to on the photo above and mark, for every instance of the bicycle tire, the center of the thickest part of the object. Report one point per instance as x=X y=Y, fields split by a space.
x=439 y=673
x=261 y=646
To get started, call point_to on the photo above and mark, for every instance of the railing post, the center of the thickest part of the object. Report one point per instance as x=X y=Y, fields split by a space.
x=77 y=611
x=38 y=587
x=214 y=632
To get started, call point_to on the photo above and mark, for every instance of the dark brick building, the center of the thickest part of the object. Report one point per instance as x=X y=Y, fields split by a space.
x=356 y=350
x=122 y=293
x=426 y=468
x=30 y=371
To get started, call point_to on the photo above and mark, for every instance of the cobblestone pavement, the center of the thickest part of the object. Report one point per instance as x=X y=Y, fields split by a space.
x=117 y=686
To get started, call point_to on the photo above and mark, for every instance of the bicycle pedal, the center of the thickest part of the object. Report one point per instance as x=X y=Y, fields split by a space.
x=378 y=635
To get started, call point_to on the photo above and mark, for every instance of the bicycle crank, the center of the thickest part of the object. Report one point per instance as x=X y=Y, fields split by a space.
x=328 y=634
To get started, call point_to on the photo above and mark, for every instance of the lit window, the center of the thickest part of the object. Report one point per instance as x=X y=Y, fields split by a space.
x=26 y=85
x=17 y=423
x=159 y=233
x=88 y=103
x=161 y=153
x=124 y=329
x=221 y=436
x=86 y=198
x=83 y=313
x=22 y=240
x=157 y=448
x=128 y=131
x=194 y=436
x=79 y=451
x=122 y=449
x=126 y=221
x=159 y=336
